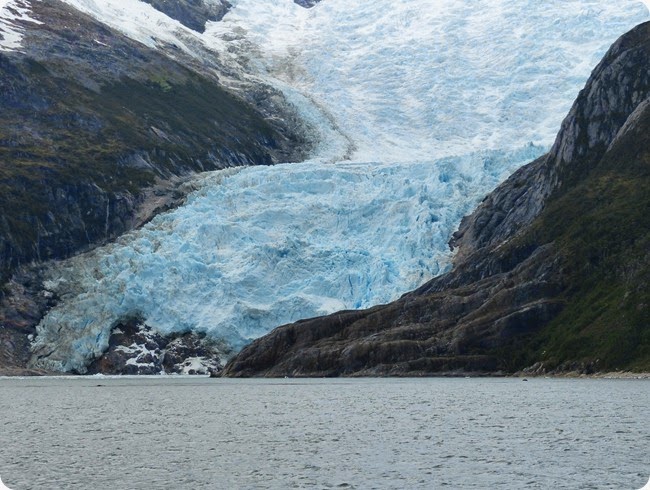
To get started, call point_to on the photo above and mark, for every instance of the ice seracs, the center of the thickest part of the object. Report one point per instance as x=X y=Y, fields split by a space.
x=260 y=247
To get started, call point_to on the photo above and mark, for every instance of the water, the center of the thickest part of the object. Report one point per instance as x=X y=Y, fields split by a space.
x=196 y=433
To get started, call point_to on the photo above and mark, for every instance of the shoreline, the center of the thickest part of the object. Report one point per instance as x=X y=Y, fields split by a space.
x=7 y=373
x=606 y=375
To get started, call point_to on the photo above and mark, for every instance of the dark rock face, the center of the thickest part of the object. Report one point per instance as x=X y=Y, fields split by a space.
x=616 y=88
x=553 y=268
x=20 y=311
x=452 y=331
x=192 y=13
x=135 y=349
x=618 y=85
x=307 y=3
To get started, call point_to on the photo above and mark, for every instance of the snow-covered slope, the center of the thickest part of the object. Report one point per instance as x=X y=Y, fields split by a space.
x=435 y=102
x=411 y=79
x=138 y=20
x=415 y=79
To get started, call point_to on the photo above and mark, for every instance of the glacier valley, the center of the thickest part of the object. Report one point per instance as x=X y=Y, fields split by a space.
x=419 y=108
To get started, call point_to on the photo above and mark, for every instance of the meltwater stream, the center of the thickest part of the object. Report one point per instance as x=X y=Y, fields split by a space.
x=421 y=107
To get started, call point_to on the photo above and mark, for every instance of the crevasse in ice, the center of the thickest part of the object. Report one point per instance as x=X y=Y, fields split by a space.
x=431 y=103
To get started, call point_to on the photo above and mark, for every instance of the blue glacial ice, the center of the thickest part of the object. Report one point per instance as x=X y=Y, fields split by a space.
x=259 y=247
x=430 y=103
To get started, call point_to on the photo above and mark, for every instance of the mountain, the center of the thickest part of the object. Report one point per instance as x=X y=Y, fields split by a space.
x=551 y=273
x=92 y=122
x=98 y=132
x=402 y=117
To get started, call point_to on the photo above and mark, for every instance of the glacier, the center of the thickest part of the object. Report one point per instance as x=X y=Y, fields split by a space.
x=420 y=108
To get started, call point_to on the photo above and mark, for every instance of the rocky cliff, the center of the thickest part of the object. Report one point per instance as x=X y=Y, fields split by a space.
x=192 y=13
x=307 y=3
x=552 y=270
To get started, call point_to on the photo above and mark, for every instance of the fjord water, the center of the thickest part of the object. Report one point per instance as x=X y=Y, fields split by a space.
x=199 y=433
x=428 y=104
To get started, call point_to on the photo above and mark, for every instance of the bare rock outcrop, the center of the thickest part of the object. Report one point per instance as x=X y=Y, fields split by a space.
x=193 y=14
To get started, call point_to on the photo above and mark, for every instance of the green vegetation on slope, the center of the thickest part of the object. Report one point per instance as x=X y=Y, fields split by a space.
x=602 y=229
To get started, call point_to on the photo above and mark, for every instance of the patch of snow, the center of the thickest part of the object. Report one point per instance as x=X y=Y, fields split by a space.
x=142 y=352
x=132 y=349
x=196 y=365
x=137 y=20
x=135 y=361
x=12 y=14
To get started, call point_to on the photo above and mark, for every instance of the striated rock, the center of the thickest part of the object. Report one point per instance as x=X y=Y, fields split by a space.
x=552 y=271
x=454 y=330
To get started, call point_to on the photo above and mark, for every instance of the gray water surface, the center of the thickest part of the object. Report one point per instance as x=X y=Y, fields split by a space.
x=199 y=433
